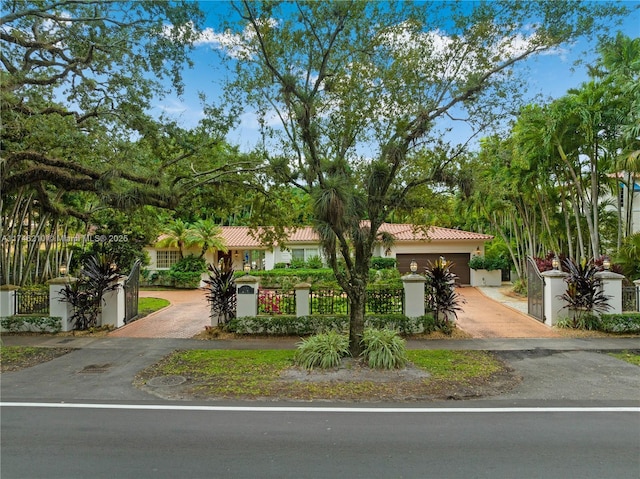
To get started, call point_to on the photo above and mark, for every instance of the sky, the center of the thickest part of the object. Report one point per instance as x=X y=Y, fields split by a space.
x=550 y=75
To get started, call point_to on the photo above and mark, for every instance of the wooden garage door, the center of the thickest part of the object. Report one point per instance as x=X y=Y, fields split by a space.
x=460 y=263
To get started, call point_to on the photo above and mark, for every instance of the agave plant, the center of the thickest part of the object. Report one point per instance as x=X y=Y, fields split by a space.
x=584 y=295
x=221 y=292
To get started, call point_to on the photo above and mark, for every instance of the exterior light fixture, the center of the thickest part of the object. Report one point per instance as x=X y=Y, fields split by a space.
x=63 y=270
x=413 y=266
x=247 y=268
x=555 y=263
x=478 y=251
x=606 y=264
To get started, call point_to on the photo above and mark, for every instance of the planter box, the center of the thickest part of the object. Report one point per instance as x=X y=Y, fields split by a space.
x=483 y=277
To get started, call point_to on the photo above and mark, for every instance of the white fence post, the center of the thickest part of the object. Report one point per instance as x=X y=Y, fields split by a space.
x=247 y=290
x=112 y=308
x=302 y=299
x=612 y=288
x=413 y=285
x=57 y=307
x=554 y=286
x=8 y=300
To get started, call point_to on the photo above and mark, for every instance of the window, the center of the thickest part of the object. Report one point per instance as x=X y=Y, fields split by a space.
x=166 y=259
x=304 y=254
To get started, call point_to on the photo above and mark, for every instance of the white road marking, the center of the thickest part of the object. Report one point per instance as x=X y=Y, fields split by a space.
x=375 y=410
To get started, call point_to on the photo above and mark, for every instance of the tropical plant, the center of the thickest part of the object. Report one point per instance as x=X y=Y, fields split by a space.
x=384 y=349
x=628 y=256
x=584 y=295
x=324 y=350
x=176 y=236
x=97 y=277
x=442 y=298
x=221 y=292
x=207 y=235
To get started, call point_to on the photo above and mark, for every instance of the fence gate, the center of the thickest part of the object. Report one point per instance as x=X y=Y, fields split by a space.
x=535 y=290
x=131 y=289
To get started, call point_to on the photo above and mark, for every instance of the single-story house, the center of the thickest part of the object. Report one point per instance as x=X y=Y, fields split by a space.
x=411 y=242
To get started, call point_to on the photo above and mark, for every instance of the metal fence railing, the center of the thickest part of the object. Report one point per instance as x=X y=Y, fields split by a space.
x=630 y=298
x=31 y=302
x=276 y=301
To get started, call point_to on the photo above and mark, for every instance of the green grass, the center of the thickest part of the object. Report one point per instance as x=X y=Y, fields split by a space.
x=256 y=374
x=147 y=306
x=632 y=357
x=10 y=354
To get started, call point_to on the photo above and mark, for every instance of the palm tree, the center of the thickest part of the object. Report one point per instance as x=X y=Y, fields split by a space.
x=177 y=236
x=207 y=235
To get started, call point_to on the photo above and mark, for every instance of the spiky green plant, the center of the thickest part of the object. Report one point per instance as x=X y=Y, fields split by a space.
x=221 y=292
x=584 y=295
x=384 y=349
x=323 y=351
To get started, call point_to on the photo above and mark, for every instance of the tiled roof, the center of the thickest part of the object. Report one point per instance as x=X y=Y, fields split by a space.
x=237 y=237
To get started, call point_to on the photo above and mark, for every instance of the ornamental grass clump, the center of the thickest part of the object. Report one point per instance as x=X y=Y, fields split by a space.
x=384 y=349
x=323 y=351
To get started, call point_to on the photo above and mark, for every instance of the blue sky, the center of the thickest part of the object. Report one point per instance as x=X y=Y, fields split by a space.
x=550 y=75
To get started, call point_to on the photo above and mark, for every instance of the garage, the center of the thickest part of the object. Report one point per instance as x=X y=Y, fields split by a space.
x=460 y=263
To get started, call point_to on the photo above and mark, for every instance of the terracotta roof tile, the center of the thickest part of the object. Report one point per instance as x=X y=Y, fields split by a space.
x=236 y=237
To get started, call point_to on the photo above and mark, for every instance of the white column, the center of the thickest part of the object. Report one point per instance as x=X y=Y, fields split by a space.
x=57 y=307
x=302 y=299
x=413 y=295
x=612 y=288
x=247 y=290
x=112 y=311
x=8 y=300
x=554 y=286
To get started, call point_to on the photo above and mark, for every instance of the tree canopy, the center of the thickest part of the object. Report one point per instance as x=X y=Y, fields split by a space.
x=365 y=93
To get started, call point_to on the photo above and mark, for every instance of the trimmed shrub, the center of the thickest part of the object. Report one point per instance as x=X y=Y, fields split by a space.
x=38 y=324
x=288 y=325
x=620 y=323
x=324 y=350
x=384 y=349
x=380 y=263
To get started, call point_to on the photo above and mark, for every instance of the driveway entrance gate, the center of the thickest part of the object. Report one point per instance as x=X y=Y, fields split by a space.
x=131 y=290
x=535 y=290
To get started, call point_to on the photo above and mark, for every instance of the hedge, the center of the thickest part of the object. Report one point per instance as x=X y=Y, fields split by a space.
x=620 y=323
x=306 y=325
x=38 y=324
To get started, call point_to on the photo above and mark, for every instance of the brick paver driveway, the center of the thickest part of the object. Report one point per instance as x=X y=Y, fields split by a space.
x=186 y=317
x=483 y=317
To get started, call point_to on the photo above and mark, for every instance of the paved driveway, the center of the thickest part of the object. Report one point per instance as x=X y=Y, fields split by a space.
x=186 y=317
x=482 y=317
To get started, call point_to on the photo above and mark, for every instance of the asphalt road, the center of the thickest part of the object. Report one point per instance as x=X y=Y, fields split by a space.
x=213 y=442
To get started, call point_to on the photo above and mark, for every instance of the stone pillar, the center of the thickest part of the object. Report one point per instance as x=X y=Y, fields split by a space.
x=247 y=290
x=413 y=295
x=612 y=288
x=8 y=300
x=57 y=307
x=112 y=310
x=302 y=299
x=637 y=283
x=554 y=286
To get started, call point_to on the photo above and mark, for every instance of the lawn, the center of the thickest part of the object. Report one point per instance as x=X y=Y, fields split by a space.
x=632 y=357
x=270 y=374
x=147 y=306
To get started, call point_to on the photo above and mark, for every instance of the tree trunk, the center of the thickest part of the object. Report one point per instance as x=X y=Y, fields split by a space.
x=357 y=303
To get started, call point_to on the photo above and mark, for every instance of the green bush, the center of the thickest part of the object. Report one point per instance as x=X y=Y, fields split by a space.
x=620 y=323
x=315 y=262
x=380 y=263
x=384 y=349
x=488 y=263
x=189 y=264
x=288 y=325
x=297 y=264
x=39 y=324
x=324 y=350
